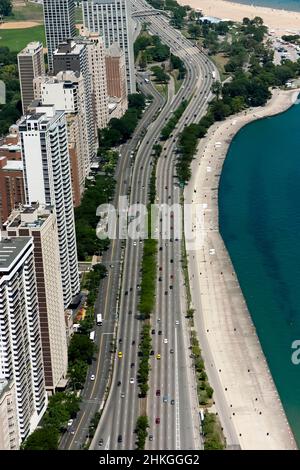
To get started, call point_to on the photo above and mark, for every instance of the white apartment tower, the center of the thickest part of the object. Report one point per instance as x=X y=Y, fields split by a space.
x=47 y=180
x=31 y=65
x=59 y=19
x=20 y=338
x=9 y=434
x=112 y=20
x=40 y=224
x=67 y=93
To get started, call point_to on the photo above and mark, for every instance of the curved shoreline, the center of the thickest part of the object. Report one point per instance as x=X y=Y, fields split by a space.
x=245 y=394
x=281 y=21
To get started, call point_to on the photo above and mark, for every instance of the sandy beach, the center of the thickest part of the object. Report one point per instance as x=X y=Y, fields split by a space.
x=280 y=21
x=19 y=24
x=245 y=394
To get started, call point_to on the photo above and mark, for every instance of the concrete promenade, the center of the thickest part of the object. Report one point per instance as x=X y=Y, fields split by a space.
x=245 y=396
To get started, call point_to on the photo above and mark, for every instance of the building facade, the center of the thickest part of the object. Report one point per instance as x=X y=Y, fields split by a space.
x=20 y=338
x=112 y=20
x=40 y=224
x=71 y=55
x=31 y=65
x=59 y=20
x=116 y=80
x=9 y=435
x=47 y=179
x=67 y=93
x=11 y=187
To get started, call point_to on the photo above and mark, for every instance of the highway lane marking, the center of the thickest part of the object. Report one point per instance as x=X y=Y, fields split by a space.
x=107 y=444
x=78 y=427
x=177 y=419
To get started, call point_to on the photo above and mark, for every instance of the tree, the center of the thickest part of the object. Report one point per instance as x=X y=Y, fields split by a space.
x=194 y=31
x=216 y=89
x=42 y=439
x=5 y=7
x=77 y=371
x=81 y=347
x=160 y=74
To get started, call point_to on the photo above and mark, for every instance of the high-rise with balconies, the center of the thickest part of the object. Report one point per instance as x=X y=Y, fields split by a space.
x=21 y=358
x=47 y=179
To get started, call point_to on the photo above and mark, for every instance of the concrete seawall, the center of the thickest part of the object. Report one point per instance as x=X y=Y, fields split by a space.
x=245 y=395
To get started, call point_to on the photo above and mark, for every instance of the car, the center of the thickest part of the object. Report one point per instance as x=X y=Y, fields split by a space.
x=92 y=377
x=159 y=332
x=158 y=356
x=151 y=352
x=126 y=293
x=133 y=343
x=100 y=443
x=171 y=351
x=166 y=341
x=132 y=364
x=160 y=278
x=122 y=395
x=157 y=420
x=160 y=248
x=120 y=340
x=160 y=268
x=171 y=261
x=70 y=422
x=158 y=393
x=165 y=398
x=177 y=322
x=132 y=380
x=134 y=243
x=158 y=320
x=166 y=292
x=153 y=332
x=119 y=383
x=172 y=402
x=150 y=437
x=120 y=438
x=130 y=312
x=120 y=354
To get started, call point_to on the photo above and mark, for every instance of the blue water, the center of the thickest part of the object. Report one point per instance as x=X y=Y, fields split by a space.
x=259 y=202
x=293 y=5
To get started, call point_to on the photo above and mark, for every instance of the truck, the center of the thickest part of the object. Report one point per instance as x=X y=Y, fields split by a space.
x=146 y=80
x=99 y=319
x=92 y=336
x=213 y=74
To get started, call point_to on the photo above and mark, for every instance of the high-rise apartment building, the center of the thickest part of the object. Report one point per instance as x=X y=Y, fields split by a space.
x=20 y=338
x=116 y=80
x=71 y=55
x=31 y=65
x=47 y=180
x=40 y=224
x=66 y=92
x=59 y=19
x=9 y=435
x=112 y=20
x=96 y=55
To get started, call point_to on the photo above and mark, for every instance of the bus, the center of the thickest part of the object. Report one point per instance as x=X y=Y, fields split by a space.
x=99 y=319
x=92 y=336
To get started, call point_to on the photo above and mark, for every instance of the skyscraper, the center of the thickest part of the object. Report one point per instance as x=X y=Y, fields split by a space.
x=9 y=435
x=59 y=19
x=116 y=80
x=71 y=55
x=112 y=20
x=47 y=180
x=40 y=224
x=30 y=64
x=20 y=339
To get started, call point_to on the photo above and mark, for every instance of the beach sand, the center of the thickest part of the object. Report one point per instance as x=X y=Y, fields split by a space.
x=245 y=394
x=280 y=21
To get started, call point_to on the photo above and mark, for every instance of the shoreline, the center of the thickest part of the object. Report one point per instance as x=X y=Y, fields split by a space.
x=281 y=21
x=246 y=397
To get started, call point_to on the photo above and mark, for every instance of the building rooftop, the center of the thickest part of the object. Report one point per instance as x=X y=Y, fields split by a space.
x=12 y=165
x=10 y=249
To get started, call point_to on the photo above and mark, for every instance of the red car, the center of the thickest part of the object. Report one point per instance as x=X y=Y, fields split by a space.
x=158 y=393
x=157 y=420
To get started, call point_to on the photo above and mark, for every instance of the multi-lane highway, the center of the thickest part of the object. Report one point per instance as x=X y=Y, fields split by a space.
x=171 y=374
x=94 y=391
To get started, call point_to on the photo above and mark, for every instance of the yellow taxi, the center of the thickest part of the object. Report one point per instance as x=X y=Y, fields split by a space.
x=120 y=354
x=157 y=356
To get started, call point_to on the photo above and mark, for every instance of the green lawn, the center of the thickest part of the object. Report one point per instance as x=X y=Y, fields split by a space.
x=17 y=39
x=28 y=12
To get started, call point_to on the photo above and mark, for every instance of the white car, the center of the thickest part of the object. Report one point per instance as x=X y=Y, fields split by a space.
x=122 y=395
x=132 y=380
x=92 y=377
x=70 y=422
x=177 y=322
x=134 y=243
x=165 y=341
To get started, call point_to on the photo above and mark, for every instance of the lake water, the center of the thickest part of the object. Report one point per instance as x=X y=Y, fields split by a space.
x=259 y=202
x=293 y=5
